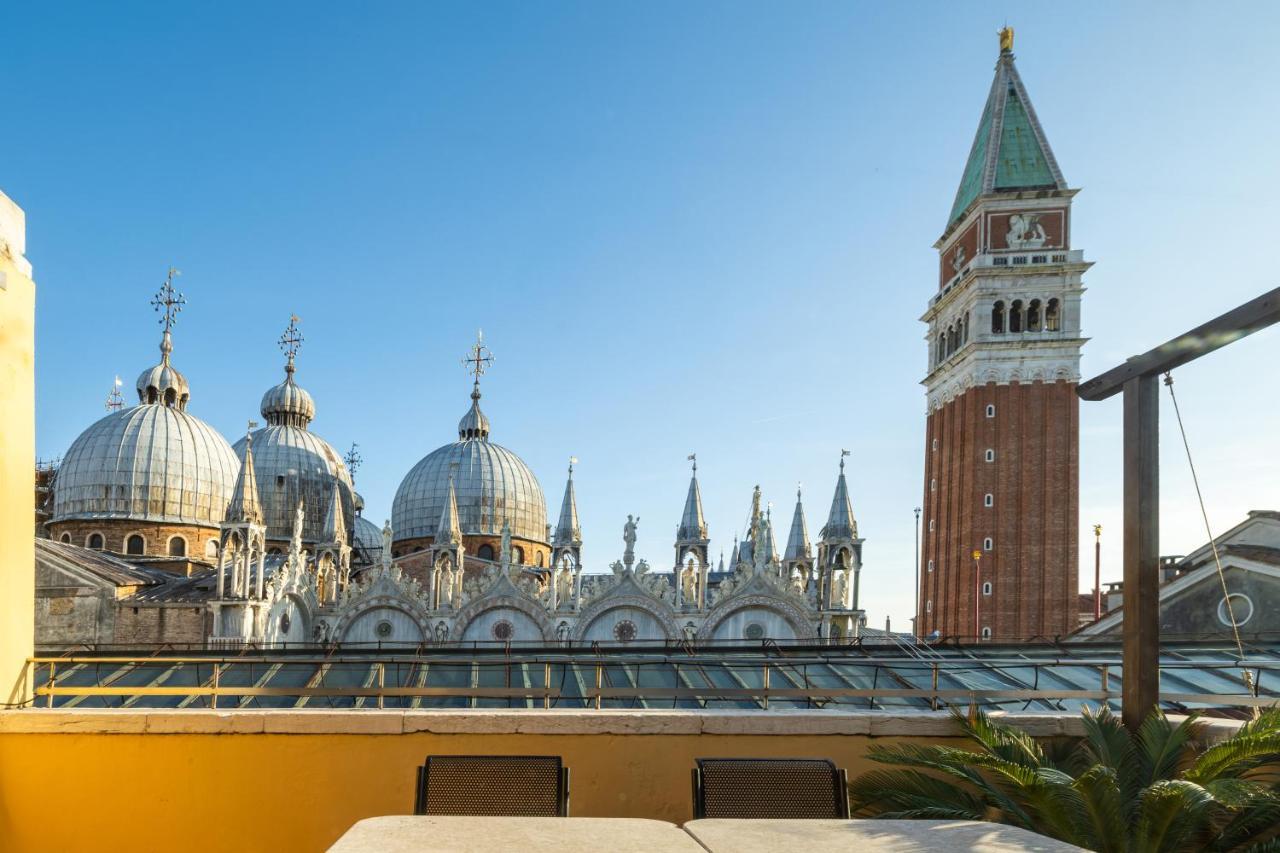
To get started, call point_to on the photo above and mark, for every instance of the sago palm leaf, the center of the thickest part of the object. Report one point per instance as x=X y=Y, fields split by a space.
x=910 y=794
x=1254 y=750
x=1171 y=813
x=1107 y=814
x=1163 y=748
x=958 y=764
x=1108 y=743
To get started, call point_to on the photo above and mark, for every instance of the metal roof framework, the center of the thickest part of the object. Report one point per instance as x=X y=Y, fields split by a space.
x=1053 y=677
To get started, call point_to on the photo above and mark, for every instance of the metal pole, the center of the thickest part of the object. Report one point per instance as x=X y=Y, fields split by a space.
x=915 y=607
x=1097 y=572
x=1141 y=685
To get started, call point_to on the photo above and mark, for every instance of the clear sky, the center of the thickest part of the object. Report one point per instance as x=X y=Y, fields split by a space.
x=683 y=227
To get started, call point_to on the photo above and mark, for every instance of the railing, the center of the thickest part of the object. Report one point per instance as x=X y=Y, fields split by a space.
x=1012 y=260
x=811 y=681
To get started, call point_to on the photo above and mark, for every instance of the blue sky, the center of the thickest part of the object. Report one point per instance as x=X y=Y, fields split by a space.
x=683 y=227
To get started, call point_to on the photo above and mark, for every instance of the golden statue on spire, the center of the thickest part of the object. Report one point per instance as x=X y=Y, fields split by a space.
x=1006 y=39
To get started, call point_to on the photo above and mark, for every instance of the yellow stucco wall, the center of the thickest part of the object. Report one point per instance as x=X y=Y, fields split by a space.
x=17 y=453
x=285 y=792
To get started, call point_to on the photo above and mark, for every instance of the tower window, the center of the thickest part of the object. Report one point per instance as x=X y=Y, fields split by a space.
x=931 y=525
x=66 y=538
x=987 y=544
x=177 y=547
x=986 y=588
x=991 y=410
x=928 y=606
x=1033 y=316
x=988 y=500
x=991 y=455
x=931 y=565
x=1015 y=316
x=935 y=445
x=933 y=484
x=517 y=554
x=997 y=318
x=964 y=333
x=136 y=545
x=986 y=633
x=1052 y=323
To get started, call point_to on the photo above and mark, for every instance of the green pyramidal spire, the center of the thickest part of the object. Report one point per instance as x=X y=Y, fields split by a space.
x=1010 y=151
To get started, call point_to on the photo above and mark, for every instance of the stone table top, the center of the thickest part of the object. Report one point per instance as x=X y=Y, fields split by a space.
x=890 y=836
x=405 y=833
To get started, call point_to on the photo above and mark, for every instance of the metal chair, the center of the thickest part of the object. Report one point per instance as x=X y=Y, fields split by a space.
x=779 y=788
x=497 y=785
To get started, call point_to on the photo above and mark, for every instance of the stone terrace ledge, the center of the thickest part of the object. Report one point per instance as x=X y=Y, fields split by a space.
x=532 y=722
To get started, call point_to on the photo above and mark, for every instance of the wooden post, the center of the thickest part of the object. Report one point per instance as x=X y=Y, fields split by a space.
x=1141 y=686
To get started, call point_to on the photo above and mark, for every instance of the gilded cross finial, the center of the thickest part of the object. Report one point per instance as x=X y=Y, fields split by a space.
x=573 y=460
x=479 y=359
x=353 y=459
x=169 y=301
x=291 y=341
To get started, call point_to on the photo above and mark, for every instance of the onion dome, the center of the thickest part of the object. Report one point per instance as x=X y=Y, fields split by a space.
x=164 y=383
x=292 y=463
x=491 y=484
x=153 y=462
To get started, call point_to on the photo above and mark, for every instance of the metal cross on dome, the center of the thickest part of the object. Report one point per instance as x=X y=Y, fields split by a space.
x=291 y=340
x=169 y=300
x=353 y=459
x=479 y=359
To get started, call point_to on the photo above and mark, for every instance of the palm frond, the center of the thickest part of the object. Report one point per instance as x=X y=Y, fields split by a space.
x=906 y=794
x=1170 y=813
x=1163 y=748
x=1099 y=789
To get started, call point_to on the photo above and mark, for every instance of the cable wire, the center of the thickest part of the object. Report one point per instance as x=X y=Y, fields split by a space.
x=1245 y=672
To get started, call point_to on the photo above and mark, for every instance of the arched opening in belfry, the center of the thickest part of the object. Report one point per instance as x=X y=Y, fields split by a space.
x=1015 y=316
x=1033 y=316
x=997 y=318
x=1052 y=321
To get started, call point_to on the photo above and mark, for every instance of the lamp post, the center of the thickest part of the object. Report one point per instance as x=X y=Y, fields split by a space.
x=977 y=595
x=915 y=607
x=1097 y=572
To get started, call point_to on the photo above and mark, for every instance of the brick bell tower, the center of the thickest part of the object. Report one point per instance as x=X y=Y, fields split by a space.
x=1001 y=487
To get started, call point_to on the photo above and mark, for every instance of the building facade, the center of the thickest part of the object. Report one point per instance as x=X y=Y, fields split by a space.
x=1000 y=511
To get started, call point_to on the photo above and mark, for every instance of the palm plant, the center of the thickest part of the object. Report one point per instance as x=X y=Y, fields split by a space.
x=1162 y=789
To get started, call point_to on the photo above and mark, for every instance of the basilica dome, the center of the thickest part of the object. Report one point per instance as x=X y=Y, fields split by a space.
x=153 y=462
x=368 y=536
x=292 y=463
x=491 y=483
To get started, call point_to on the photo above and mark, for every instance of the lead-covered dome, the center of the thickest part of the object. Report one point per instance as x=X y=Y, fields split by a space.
x=292 y=463
x=153 y=462
x=492 y=485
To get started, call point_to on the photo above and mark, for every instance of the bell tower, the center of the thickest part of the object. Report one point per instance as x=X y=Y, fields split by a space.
x=1001 y=487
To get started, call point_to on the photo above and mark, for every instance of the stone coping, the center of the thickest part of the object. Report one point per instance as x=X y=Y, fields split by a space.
x=531 y=722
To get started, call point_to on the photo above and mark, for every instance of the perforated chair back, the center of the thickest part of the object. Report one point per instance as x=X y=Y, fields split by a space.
x=780 y=788
x=500 y=785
